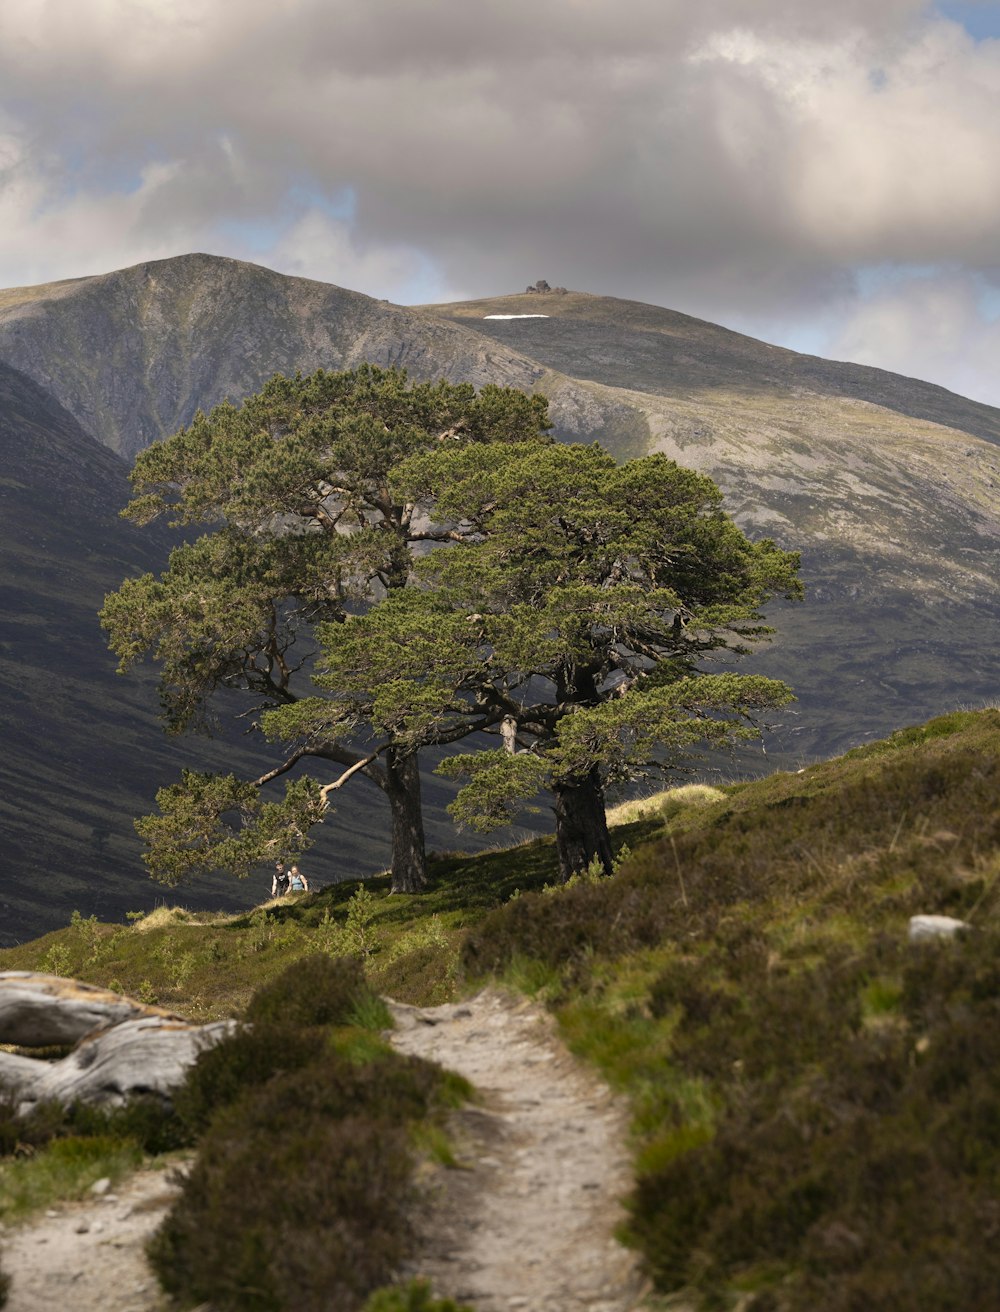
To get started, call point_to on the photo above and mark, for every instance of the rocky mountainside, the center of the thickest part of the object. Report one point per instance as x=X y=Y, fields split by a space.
x=133 y=354
x=889 y=486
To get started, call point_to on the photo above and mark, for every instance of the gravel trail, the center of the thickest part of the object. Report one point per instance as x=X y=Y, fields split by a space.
x=528 y=1222
x=88 y=1256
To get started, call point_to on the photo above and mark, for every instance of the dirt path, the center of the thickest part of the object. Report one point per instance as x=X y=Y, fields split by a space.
x=528 y=1223
x=88 y=1256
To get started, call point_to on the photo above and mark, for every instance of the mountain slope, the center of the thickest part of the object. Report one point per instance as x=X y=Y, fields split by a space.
x=82 y=750
x=647 y=348
x=133 y=354
x=889 y=486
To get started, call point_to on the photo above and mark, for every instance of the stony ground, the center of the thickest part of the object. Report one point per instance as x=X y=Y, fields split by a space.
x=88 y=1256
x=525 y=1222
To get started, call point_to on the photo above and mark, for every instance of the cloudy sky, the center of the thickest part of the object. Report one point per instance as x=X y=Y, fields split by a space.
x=826 y=176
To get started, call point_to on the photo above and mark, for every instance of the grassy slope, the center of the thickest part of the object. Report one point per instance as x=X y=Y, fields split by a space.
x=803 y=1080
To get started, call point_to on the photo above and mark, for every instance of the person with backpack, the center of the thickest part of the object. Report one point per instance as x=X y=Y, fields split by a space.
x=279 y=880
x=297 y=882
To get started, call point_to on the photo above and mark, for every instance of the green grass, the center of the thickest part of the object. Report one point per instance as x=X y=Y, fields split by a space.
x=813 y=1098
x=210 y=966
x=65 y=1168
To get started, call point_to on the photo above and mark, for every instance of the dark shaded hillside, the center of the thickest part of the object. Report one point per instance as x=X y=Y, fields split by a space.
x=82 y=753
x=82 y=750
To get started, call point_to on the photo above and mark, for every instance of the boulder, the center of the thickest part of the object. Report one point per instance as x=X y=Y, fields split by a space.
x=923 y=928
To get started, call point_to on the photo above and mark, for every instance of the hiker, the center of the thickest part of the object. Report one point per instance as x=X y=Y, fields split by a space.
x=297 y=882
x=279 y=880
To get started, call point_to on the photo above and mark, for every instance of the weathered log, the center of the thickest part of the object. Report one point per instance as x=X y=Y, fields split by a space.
x=41 y=1011
x=123 y=1048
x=150 y=1055
x=17 y=1074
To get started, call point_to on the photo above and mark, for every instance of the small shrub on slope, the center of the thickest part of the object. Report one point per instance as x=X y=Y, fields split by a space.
x=302 y=1190
x=316 y=990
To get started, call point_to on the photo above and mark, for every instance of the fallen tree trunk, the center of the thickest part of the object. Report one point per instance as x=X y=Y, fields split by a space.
x=123 y=1048
x=43 y=1011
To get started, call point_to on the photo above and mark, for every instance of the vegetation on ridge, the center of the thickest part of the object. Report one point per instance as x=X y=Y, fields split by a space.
x=813 y=1096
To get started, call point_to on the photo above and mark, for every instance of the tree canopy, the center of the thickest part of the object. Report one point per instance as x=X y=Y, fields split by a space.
x=577 y=612
x=389 y=567
x=303 y=528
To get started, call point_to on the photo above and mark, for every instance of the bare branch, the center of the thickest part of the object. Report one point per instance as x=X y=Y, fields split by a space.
x=281 y=769
x=325 y=791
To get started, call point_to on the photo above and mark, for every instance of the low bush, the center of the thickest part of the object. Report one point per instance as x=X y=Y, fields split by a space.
x=414 y=1297
x=242 y=1060
x=145 y=1122
x=316 y=990
x=304 y=1172
x=305 y=1183
x=4 y=1288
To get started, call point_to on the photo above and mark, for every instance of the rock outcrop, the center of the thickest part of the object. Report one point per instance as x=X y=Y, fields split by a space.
x=42 y=1011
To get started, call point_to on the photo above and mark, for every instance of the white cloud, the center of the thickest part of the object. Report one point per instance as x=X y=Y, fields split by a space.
x=934 y=327
x=734 y=158
x=317 y=246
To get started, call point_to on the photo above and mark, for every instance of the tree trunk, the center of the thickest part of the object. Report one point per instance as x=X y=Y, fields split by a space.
x=582 y=825
x=409 y=860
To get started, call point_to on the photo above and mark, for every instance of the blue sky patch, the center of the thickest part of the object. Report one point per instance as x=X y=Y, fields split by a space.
x=981 y=21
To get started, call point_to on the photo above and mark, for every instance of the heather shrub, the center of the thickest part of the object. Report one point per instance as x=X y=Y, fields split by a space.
x=146 y=1122
x=305 y=1184
x=242 y=1060
x=861 y=1160
x=316 y=990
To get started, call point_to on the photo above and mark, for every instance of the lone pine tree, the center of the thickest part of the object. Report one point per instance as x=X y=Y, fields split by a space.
x=578 y=610
x=303 y=530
